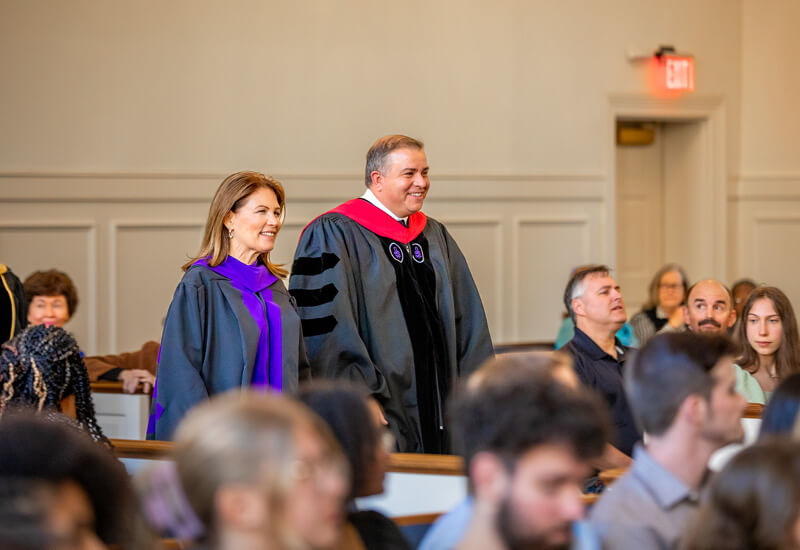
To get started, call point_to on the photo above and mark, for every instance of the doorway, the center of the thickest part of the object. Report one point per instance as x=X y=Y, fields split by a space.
x=669 y=191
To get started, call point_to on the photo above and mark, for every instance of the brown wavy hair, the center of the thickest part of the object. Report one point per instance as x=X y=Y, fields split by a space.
x=787 y=358
x=753 y=502
x=655 y=284
x=230 y=196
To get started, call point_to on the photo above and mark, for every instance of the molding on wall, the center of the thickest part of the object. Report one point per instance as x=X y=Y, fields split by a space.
x=91 y=269
x=114 y=226
x=198 y=188
x=518 y=222
x=766 y=186
x=496 y=225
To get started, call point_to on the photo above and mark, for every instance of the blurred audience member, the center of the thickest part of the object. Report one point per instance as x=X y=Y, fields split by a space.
x=681 y=387
x=52 y=300
x=39 y=369
x=662 y=311
x=251 y=471
x=527 y=440
x=366 y=442
x=61 y=491
x=709 y=308
x=594 y=302
x=754 y=502
x=780 y=415
x=767 y=334
x=13 y=306
x=448 y=529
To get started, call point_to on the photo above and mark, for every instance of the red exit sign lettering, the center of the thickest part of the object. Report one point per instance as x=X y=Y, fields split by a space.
x=675 y=73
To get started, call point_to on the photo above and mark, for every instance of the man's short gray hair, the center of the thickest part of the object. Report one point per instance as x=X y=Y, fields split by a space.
x=376 y=156
x=576 y=287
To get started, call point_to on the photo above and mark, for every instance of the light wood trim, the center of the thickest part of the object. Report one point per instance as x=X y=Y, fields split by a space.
x=611 y=475
x=135 y=448
x=414 y=463
x=407 y=463
x=418 y=519
x=589 y=498
x=753 y=410
x=108 y=386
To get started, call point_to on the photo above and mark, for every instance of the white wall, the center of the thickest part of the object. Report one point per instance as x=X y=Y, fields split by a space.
x=765 y=195
x=119 y=119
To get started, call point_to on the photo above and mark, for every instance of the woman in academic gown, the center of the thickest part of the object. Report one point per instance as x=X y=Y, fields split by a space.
x=231 y=323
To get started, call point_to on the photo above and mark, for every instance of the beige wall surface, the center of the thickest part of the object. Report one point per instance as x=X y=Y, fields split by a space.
x=765 y=195
x=119 y=118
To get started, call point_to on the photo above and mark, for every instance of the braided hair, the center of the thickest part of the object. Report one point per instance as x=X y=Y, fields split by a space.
x=41 y=366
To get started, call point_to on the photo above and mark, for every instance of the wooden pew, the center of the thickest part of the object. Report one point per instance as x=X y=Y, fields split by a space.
x=516 y=347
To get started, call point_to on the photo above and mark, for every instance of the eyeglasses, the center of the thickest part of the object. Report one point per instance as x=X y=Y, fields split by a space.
x=669 y=286
x=320 y=469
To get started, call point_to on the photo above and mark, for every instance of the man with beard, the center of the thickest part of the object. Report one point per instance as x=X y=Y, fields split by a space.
x=682 y=389
x=527 y=439
x=709 y=308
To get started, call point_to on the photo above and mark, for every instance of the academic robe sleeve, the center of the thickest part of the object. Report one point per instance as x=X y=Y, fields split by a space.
x=326 y=288
x=179 y=385
x=473 y=341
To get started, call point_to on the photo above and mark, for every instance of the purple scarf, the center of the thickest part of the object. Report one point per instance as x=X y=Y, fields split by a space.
x=253 y=281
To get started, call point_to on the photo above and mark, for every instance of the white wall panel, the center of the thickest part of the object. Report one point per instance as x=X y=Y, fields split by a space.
x=546 y=251
x=146 y=259
x=68 y=245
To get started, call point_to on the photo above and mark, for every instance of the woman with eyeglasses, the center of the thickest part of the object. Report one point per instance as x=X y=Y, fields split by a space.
x=662 y=311
x=358 y=424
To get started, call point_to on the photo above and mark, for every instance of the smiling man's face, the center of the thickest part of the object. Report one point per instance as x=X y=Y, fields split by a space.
x=403 y=183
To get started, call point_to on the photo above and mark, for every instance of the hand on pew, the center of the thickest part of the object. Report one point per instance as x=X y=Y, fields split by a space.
x=132 y=378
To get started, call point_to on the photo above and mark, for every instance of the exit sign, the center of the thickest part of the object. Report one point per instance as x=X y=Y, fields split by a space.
x=674 y=73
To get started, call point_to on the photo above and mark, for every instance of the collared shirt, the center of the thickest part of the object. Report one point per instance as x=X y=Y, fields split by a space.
x=646 y=508
x=449 y=529
x=600 y=371
x=370 y=197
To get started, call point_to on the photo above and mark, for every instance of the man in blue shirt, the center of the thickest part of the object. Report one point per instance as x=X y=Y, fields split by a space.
x=594 y=301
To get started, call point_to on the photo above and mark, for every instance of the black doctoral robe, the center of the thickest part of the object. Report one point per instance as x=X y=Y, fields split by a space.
x=391 y=307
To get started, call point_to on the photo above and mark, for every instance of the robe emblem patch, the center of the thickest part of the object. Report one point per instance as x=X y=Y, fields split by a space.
x=416 y=253
x=396 y=252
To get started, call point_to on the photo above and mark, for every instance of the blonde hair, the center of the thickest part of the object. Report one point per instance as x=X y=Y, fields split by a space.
x=244 y=437
x=230 y=196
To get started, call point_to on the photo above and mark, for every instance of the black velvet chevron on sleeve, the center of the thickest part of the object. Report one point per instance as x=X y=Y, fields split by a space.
x=314 y=265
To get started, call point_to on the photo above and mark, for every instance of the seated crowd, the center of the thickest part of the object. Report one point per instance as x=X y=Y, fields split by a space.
x=259 y=470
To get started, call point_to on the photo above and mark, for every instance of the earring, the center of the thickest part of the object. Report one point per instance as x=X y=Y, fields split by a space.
x=230 y=233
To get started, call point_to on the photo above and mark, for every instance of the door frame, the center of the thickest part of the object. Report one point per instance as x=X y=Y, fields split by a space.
x=709 y=111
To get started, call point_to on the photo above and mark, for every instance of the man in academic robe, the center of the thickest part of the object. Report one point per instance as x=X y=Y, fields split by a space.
x=387 y=300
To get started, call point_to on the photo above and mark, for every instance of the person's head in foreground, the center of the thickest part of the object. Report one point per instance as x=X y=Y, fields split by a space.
x=355 y=420
x=397 y=173
x=767 y=333
x=780 y=415
x=40 y=367
x=526 y=438
x=682 y=385
x=709 y=307
x=244 y=219
x=59 y=490
x=754 y=502
x=594 y=300
x=52 y=298
x=257 y=471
